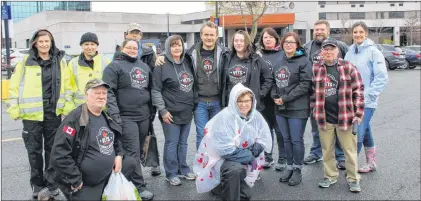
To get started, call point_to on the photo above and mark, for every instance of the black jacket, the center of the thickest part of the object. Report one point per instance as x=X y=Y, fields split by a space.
x=293 y=81
x=56 y=57
x=68 y=150
x=260 y=82
x=130 y=83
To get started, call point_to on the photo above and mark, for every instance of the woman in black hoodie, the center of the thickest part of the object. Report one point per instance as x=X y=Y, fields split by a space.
x=291 y=94
x=270 y=49
x=129 y=101
x=245 y=66
x=173 y=96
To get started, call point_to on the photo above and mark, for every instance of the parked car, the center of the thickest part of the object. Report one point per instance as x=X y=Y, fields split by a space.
x=18 y=55
x=394 y=56
x=413 y=55
x=3 y=58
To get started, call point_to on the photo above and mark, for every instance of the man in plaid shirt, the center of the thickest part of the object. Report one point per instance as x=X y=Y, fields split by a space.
x=337 y=102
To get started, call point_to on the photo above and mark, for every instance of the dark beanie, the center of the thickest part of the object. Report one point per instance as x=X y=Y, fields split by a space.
x=89 y=37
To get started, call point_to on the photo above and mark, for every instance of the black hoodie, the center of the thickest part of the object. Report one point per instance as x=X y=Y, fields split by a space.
x=257 y=77
x=173 y=87
x=293 y=83
x=50 y=70
x=130 y=84
x=271 y=57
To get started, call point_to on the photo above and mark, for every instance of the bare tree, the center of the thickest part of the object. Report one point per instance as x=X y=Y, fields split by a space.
x=412 y=23
x=379 y=28
x=255 y=9
x=346 y=29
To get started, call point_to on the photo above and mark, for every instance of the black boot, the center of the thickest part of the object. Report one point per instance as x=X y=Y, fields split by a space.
x=295 y=178
x=285 y=175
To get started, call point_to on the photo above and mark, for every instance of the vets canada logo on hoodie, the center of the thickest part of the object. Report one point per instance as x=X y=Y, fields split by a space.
x=139 y=78
x=208 y=66
x=105 y=139
x=282 y=77
x=186 y=81
x=238 y=74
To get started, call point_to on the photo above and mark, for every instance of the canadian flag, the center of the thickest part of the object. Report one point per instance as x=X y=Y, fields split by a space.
x=69 y=130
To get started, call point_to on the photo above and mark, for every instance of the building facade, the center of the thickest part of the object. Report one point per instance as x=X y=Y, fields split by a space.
x=388 y=22
x=24 y=9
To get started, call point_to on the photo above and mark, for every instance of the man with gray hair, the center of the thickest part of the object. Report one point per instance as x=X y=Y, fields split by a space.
x=314 y=49
x=87 y=148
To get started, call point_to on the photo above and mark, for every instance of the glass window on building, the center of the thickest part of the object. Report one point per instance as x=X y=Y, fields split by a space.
x=380 y=15
x=396 y=14
x=331 y=16
x=357 y=16
x=322 y=16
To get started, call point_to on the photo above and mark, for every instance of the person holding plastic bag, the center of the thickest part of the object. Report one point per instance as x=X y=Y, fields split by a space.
x=231 y=154
x=87 y=148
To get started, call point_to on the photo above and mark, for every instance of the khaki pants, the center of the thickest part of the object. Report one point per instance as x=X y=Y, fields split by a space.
x=348 y=143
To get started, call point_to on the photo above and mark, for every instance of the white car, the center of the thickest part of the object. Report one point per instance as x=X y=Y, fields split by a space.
x=17 y=56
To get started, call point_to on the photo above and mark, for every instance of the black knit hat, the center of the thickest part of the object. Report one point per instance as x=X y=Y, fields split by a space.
x=89 y=37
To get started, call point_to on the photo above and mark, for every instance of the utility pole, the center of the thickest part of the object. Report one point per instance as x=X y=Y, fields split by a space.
x=7 y=39
x=168 y=24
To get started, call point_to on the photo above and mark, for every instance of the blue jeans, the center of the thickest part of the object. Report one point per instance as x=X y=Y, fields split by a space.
x=316 y=147
x=203 y=113
x=365 y=136
x=175 y=149
x=292 y=131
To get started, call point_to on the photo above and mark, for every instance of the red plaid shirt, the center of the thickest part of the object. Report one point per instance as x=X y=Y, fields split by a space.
x=350 y=94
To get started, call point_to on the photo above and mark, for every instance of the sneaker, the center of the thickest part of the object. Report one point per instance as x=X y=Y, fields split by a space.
x=341 y=165
x=35 y=191
x=326 y=182
x=268 y=164
x=311 y=159
x=354 y=186
x=295 y=178
x=155 y=171
x=281 y=165
x=175 y=181
x=145 y=194
x=188 y=176
x=285 y=175
x=46 y=194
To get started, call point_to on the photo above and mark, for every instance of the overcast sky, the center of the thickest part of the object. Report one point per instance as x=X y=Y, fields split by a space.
x=149 y=7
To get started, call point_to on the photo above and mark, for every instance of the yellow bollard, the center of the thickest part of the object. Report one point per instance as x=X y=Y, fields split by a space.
x=4 y=89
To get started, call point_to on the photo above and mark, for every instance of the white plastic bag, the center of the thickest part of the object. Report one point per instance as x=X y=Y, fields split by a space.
x=119 y=188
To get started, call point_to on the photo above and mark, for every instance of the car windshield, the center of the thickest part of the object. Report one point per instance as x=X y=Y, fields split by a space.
x=388 y=47
x=415 y=48
x=398 y=49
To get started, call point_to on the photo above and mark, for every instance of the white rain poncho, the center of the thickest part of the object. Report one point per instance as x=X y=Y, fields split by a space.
x=223 y=134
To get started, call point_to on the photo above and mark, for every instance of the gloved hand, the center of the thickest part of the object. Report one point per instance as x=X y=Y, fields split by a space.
x=256 y=149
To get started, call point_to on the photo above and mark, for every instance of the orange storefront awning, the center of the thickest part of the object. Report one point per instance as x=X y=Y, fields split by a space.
x=273 y=20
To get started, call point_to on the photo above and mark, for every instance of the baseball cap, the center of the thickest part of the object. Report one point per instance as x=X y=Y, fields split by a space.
x=95 y=83
x=133 y=26
x=330 y=41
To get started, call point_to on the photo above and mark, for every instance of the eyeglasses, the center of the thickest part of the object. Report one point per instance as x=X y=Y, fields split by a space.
x=246 y=102
x=131 y=48
x=289 y=42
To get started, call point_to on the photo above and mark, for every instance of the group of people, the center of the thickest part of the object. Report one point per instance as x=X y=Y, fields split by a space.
x=91 y=116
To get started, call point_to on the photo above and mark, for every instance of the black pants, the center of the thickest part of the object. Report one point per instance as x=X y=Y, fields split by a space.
x=134 y=135
x=94 y=192
x=273 y=127
x=39 y=136
x=233 y=186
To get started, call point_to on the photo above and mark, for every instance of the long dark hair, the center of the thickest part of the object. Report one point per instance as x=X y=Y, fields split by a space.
x=247 y=43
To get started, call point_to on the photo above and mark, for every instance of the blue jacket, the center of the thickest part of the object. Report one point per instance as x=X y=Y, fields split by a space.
x=371 y=65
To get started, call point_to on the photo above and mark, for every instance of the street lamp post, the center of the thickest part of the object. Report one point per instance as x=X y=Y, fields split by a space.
x=168 y=24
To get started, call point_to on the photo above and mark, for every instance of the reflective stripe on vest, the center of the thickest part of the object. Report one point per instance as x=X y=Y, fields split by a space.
x=75 y=63
x=31 y=110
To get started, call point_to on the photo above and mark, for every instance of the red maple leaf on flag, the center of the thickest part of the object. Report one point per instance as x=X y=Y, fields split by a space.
x=200 y=160
x=69 y=130
x=205 y=131
x=210 y=175
x=245 y=144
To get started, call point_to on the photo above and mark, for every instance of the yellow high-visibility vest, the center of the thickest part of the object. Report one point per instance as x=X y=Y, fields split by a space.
x=80 y=75
x=25 y=99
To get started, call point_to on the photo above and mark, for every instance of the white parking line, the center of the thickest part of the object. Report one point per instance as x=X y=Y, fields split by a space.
x=11 y=139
